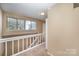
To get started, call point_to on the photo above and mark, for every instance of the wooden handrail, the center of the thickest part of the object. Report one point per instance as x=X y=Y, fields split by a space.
x=18 y=37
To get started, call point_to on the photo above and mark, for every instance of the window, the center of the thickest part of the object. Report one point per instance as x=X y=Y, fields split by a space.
x=11 y=24
x=27 y=25
x=33 y=25
x=30 y=25
x=20 y=24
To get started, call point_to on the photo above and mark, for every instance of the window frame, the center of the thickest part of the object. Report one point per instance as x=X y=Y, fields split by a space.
x=23 y=24
x=8 y=24
x=31 y=25
x=16 y=29
x=34 y=24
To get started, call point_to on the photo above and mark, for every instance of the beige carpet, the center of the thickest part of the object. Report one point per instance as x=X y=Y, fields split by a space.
x=37 y=51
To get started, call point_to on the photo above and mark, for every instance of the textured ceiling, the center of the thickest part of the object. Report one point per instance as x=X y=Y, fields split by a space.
x=27 y=9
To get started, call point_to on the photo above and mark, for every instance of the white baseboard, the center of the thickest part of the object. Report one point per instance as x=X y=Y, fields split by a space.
x=26 y=50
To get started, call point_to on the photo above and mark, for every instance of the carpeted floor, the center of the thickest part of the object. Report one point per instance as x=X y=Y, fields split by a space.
x=37 y=51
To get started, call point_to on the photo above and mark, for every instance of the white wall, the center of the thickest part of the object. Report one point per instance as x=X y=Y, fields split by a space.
x=1 y=45
x=46 y=33
x=0 y=23
x=63 y=30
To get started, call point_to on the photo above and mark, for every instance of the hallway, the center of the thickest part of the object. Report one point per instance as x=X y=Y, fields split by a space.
x=23 y=30
x=26 y=31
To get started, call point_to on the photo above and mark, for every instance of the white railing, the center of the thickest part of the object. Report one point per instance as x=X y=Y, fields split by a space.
x=27 y=41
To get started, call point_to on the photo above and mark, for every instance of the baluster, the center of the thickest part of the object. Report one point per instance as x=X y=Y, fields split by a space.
x=6 y=48
x=12 y=47
x=37 y=40
x=18 y=45
x=43 y=37
x=30 y=41
x=33 y=41
x=22 y=44
x=27 y=43
x=40 y=39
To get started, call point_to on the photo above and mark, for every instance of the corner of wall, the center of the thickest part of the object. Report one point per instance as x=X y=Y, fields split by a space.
x=0 y=22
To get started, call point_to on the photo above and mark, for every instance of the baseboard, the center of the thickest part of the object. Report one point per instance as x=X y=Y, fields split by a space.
x=26 y=50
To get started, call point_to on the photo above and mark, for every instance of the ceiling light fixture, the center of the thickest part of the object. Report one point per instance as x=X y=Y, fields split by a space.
x=42 y=13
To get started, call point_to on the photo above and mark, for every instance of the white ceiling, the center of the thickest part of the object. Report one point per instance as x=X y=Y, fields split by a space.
x=27 y=9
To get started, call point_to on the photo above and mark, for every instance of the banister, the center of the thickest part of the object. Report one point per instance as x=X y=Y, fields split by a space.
x=36 y=38
x=18 y=37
